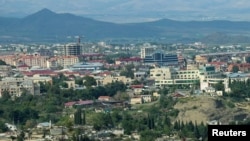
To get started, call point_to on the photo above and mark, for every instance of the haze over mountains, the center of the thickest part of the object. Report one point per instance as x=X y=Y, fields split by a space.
x=47 y=26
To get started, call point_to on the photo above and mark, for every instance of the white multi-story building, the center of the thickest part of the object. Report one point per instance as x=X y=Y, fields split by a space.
x=147 y=50
x=170 y=76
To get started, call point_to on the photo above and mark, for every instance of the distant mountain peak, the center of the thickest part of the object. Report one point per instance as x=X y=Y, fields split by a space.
x=42 y=13
x=45 y=11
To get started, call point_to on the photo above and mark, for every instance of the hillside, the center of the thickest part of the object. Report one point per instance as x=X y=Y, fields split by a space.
x=48 y=26
x=206 y=108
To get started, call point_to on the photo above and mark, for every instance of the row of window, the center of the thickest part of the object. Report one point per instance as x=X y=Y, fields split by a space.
x=177 y=81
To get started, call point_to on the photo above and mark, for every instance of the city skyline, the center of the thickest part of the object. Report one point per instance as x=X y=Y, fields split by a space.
x=126 y=11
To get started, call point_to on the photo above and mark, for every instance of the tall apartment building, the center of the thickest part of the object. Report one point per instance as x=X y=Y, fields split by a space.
x=72 y=49
x=33 y=60
x=15 y=86
x=147 y=51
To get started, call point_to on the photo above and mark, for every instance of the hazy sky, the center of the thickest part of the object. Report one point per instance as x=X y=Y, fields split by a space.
x=134 y=10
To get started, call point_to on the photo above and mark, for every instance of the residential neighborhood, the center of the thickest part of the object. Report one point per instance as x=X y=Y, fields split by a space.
x=96 y=86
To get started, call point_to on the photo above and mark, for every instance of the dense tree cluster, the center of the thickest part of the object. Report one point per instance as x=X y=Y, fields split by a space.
x=50 y=103
x=153 y=122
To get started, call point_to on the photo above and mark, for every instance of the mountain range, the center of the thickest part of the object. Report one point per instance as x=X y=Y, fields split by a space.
x=48 y=26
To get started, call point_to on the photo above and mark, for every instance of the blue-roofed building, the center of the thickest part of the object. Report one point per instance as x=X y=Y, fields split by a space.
x=238 y=76
x=83 y=66
x=161 y=59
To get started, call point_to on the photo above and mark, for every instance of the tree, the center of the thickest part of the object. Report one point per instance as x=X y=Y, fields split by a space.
x=109 y=60
x=128 y=71
x=79 y=81
x=219 y=86
x=21 y=136
x=12 y=138
x=3 y=127
x=89 y=81
x=235 y=69
x=5 y=95
x=78 y=117
x=121 y=96
x=2 y=62
x=114 y=87
x=209 y=59
x=64 y=85
x=248 y=59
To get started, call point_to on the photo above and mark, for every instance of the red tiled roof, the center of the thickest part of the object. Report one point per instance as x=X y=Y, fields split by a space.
x=40 y=72
x=91 y=54
x=85 y=102
x=99 y=61
x=23 y=65
x=81 y=102
x=68 y=104
x=105 y=73
x=217 y=63
x=130 y=59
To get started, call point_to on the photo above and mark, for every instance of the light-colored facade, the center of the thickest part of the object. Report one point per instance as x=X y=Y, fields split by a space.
x=168 y=76
x=201 y=59
x=37 y=78
x=30 y=60
x=160 y=73
x=146 y=98
x=5 y=70
x=147 y=50
x=33 y=60
x=71 y=84
x=63 y=61
x=139 y=74
x=136 y=100
x=15 y=86
x=9 y=59
x=110 y=79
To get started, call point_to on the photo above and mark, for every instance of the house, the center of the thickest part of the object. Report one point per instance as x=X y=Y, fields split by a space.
x=70 y=84
x=137 y=88
x=11 y=127
x=44 y=125
x=118 y=132
x=139 y=74
x=219 y=93
x=213 y=122
x=104 y=98
x=69 y=104
x=23 y=67
x=156 y=94
x=178 y=94
x=146 y=98
x=136 y=100
x=209 y=90
x=78 y=103
x=84 y=103
x=5 y=70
